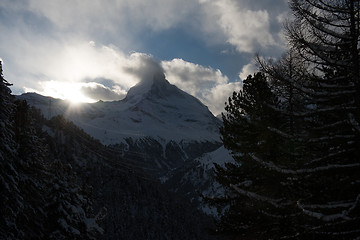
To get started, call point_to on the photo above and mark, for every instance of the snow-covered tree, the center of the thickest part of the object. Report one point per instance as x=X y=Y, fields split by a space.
x=30 y=178
x=68 y=207
x=21 y=191
x=10 y=199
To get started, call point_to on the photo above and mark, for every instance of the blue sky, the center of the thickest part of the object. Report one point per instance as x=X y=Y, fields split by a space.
x=83 y=50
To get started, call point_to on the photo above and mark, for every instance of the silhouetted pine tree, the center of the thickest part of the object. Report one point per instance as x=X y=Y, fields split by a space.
x=254 y=194
x=326 y=35
x=309 y=187
x=286 y=78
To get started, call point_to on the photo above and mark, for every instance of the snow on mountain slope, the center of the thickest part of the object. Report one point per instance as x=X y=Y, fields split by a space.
x=198 y=176
x=220 y=156
x=158 y=128
x=154 y=109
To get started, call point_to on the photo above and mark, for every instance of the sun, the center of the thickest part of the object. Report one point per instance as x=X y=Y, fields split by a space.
x=70 y=91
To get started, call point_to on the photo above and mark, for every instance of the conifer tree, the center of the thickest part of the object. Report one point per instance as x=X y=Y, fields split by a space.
x=326 y=35
x=251 y=189
x=310 y=189
x=286 y=78
x=28 y=182
x=10 y=200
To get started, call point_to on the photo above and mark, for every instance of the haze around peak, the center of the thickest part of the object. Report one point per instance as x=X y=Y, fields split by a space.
x=144 y=67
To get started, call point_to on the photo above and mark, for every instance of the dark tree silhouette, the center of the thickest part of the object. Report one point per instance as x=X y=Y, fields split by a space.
x=299 y=177
x=39 y=197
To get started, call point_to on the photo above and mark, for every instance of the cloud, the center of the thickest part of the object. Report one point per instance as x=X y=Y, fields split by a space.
x=248 y=69
x=217 y=96
x=211 y=86
x=191 y=77
x=143 y=66
x=244 y=24
x=245 y=29
x=100 y=92
x=35 y=27
x=74 y=42
x=70 y=60
x=99 y=15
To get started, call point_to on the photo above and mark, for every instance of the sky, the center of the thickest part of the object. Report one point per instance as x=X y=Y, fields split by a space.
x=91 y=50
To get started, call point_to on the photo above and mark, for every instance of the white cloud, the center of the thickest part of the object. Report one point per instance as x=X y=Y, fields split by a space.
x=67 y=41
x=76 y=61
x=44 y=60
x=211 y=86
x=217 y=96
x=247 y=30
x=56 y=67
x=79 y=91
x=247 y=70
x=62 y=90
x=100 y=92
x=101 y=15
x=74 y=65
x=191 y=77
x=214 y=21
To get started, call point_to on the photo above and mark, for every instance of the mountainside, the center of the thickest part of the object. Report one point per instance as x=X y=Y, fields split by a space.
x=198 y=176
x=138 y=207
x=157 y=125
x=157 y=128
x=154 y=109
x=58 y=182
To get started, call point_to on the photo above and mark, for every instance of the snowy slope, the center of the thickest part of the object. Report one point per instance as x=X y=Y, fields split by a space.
x=220 y=156
x=198 y=176
x=158 y=128
x=153 y=109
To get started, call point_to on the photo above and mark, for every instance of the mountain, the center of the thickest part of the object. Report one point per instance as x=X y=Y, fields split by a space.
x=58 y=182
x=198 y=174
x=158 y=128
x=157 y=125
x=138 y=207
x=153 y=109
x=63 y=184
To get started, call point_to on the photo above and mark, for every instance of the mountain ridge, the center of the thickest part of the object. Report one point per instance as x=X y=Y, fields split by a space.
x=151 y=108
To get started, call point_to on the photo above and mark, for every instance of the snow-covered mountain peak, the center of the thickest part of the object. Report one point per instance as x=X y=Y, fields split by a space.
x=152 y=108
x=156 y=88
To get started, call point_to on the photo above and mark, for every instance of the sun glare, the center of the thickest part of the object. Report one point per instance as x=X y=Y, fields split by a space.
x=67 y=91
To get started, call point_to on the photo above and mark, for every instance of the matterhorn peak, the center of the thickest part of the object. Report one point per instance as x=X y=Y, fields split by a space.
x=156 y=87
x=152 y=108
x=158 y=77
